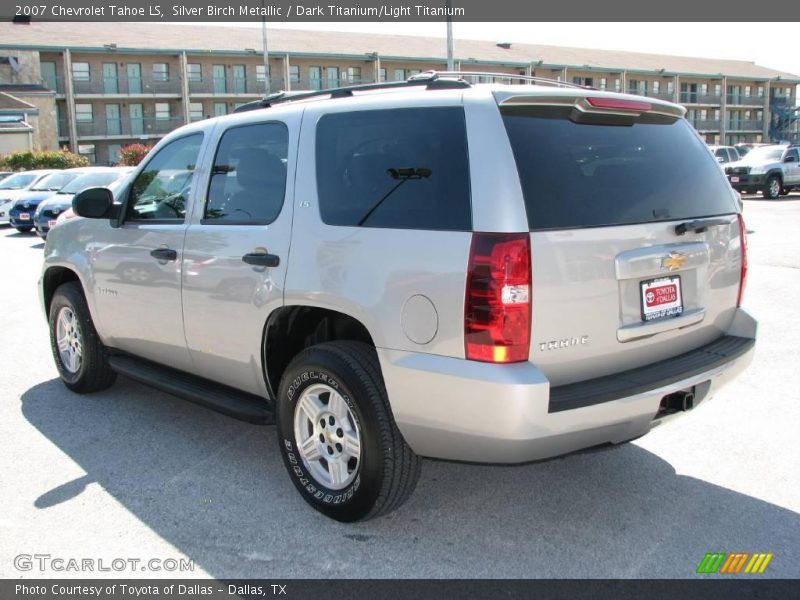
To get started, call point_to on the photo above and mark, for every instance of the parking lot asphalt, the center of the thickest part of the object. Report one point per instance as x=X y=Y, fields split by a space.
x=135 y=473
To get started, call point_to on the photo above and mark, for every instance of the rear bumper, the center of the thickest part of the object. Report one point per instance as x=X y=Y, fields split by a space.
x=462 y=410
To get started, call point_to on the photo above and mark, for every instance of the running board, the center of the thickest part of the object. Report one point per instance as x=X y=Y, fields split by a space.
x=218 y=397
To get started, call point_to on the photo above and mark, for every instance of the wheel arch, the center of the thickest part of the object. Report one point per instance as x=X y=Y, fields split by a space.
x=52 y=278
x=290 y=329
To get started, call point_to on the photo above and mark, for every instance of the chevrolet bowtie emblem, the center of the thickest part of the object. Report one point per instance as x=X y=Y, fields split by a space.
x=674 y=261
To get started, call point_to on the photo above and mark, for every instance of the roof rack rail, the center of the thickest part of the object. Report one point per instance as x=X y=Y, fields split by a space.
x=462 y=74
x=432 y=82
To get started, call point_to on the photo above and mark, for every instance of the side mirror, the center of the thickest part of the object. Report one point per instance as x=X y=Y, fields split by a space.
x=789 y=159
x=94 y=203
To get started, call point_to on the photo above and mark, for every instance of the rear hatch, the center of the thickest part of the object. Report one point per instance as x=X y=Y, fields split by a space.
x=635 y=239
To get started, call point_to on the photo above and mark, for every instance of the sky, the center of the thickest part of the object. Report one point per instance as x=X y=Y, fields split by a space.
x=740 y=41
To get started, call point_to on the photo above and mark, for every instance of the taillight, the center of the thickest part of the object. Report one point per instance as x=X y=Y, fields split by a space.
x=497 y=319
x=743 y=246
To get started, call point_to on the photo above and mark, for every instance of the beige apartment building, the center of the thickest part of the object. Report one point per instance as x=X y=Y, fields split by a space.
x=100 y=86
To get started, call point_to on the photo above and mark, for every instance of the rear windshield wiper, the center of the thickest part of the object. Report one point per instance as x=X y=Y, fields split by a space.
x=403 y=175
x=700 y=225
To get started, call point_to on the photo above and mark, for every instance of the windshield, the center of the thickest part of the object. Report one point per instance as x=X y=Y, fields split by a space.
x=770 y=153
x=90 y=180
x=18 y=181
x=54 y=182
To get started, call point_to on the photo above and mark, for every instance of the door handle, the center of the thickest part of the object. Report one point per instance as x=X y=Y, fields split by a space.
x=261 y=260
x=164 y=254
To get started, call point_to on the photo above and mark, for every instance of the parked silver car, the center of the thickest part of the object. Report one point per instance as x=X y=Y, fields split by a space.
x=489 y=273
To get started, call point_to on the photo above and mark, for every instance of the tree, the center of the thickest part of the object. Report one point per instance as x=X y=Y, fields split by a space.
x=132 y=154
x=25 y=160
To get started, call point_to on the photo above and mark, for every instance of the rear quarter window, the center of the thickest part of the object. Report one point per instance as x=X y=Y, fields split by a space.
x=577 y=175
x=399 y=168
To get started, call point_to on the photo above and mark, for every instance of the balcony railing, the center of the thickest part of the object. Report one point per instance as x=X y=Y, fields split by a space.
x=669 y=96
x=742 y=100
x=705 y=124
x=697 y=98
x=745 y=125
x=132 y=127
x=229 y=86
x=54 y=83
x=147 y=85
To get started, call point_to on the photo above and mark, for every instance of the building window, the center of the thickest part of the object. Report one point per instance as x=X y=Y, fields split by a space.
x=162 y=110
x=703 y=89
x=761 y=91
x=603 y=83
x=294 y=73
x=195 y=111
x=80 y=71
x=718 y=90
x=670 y=87
x=381 y=75
x=587 y=81
x=656 y=87
x=617 y=85
x=83 y=112
x=194 y=72
x=399 y=74
x=261 y=73
x=160 y=72
x=354 y=74
x=747 y=91
x=220 y=109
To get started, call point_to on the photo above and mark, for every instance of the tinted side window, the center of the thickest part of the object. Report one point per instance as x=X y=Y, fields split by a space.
x=582 y=174
x=161 y=190
x=401 y=168
x=248 y=181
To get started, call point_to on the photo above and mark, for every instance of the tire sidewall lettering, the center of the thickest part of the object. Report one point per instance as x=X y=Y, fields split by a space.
x=297 y=468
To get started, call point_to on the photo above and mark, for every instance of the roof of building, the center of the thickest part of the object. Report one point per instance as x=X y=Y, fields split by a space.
x=218 y=38
x=9 y=102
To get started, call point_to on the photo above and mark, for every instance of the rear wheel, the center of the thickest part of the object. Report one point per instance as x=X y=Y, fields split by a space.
x=79 y=354
x=337 y=435
x=772 y=188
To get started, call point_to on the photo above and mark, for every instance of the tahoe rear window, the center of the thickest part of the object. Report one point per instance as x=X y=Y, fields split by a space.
x=590 y=175
x=399 y=168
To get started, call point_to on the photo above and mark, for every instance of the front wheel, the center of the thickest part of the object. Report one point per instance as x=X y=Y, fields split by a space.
x=79 y=354
x=337 y=435
x=772 y=188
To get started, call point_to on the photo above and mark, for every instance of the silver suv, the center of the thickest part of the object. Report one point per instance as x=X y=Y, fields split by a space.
x=430 y=268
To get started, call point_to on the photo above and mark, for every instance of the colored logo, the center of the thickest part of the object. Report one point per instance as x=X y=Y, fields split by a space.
x=674 y=261
x=734 y=562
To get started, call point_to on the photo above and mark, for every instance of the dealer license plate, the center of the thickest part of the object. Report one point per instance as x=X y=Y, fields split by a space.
x=24 y=216
x=661 y=298
x=51 y=224
x=734 y=180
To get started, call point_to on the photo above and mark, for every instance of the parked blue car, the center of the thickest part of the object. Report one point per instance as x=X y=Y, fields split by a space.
x=21 y=213
x=45 y=216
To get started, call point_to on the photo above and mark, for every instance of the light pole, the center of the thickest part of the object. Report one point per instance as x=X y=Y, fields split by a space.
x=264 y=48
x=450 y=64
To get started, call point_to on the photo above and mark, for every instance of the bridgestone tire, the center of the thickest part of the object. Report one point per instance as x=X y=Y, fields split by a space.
x=94 y=373
x=387 y=470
